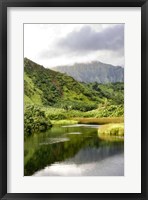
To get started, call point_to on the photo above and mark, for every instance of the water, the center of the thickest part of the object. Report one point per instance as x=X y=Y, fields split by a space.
x=73 y=150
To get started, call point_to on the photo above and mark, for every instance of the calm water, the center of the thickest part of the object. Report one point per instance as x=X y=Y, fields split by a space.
x=73 y=150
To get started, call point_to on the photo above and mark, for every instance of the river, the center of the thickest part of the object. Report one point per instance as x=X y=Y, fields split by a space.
x=72 y=150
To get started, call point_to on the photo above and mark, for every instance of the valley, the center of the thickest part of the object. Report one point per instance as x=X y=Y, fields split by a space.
x=63 y=117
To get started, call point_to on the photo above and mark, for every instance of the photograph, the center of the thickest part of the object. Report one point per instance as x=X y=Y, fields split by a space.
x=73 y=99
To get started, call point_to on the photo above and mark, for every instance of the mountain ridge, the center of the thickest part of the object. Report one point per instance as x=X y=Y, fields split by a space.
x=94 y=71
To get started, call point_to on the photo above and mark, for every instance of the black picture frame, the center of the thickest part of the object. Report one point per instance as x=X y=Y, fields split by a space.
x=4 y=4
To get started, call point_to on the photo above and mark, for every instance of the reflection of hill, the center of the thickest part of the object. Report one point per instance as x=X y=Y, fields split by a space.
x=88 y=155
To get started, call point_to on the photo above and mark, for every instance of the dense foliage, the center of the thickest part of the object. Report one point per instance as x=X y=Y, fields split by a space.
x=35 y=120
x=49 y=88
x=113 y=92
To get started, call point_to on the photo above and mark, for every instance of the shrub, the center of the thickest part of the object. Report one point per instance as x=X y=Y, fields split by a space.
x=35 y=120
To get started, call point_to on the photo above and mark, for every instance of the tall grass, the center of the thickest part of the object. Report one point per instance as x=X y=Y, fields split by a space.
x=116 y=129
x=63 y=122
x=104 y=120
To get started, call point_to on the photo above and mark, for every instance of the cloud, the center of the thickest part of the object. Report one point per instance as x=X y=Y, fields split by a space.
x=88 y=39
x=82 y=44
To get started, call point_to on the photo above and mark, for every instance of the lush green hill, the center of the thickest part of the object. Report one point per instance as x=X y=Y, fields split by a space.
x=93 y=72
x=45 y=87
x=49 y=88
x=62 y=97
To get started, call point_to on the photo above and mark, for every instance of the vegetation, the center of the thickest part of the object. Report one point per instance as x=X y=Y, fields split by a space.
x=111 y=130
x=49 y=88
x=106 y=111
x=63 y=122
x=114 y=92
x=53 y=97
x=60 y=114
x=35 y=120
x=103 y=120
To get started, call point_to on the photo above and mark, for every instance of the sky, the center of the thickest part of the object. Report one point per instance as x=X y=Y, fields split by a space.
x=53 y=45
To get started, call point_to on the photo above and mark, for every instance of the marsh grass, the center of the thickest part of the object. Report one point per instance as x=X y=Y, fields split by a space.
x=116 y=129
x=104 y=120
x=63 y=122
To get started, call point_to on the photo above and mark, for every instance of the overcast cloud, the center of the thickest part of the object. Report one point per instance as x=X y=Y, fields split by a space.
x=87 y=39
x=58 y=44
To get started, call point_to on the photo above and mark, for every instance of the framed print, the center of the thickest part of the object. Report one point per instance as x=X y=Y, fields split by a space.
x=73 y=100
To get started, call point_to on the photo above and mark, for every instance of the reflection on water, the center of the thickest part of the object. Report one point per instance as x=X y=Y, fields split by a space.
x=83 y=125
x=54 y=140
x=72 y=151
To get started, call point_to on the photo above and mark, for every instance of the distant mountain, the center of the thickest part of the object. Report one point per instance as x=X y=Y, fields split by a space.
x=93 y=72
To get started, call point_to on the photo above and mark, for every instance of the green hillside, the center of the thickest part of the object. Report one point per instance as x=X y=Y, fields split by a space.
x=49 y=88
x=45 y=87
x=51 y=95
x=111 y=91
